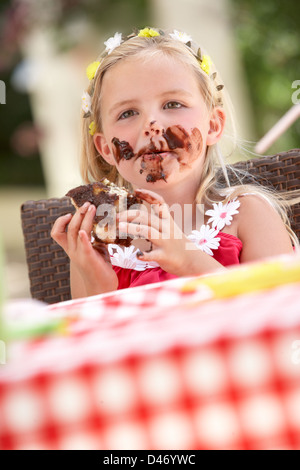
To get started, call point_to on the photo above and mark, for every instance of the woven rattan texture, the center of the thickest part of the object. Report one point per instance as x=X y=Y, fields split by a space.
x=48 y=265
x=281 y=172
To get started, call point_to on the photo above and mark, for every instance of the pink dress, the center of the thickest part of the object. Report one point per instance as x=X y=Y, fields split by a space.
x=227 y=248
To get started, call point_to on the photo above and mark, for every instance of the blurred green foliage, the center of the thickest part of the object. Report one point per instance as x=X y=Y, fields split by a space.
x=268 y=37
x=107 y=15
x=14 y=168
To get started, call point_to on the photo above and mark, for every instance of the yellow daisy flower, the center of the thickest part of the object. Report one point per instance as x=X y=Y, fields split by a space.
x=92 y=69
x=148 y=33
x=92 y=128
x=206 y=64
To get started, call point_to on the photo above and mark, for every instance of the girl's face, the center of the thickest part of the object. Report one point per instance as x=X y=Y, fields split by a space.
x=156 y=125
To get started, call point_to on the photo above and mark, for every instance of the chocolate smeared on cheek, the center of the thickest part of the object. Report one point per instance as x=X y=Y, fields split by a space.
x=188 y=146
x=197 y=139
x=178 y=138
x=175 y=137
x=123 y=150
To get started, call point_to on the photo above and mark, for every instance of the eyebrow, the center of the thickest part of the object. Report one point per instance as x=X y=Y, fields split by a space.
x=177 y=91
x=121 y=104
x=132 y=102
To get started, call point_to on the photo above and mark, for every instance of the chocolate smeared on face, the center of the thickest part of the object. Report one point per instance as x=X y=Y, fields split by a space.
x=152 y=163
x=188 y=147
x=175 y=137
x=197 y=137
x=178 y=138
x=123 y=149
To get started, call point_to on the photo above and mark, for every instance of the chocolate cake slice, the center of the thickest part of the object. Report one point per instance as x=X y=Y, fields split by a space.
x=109 y=200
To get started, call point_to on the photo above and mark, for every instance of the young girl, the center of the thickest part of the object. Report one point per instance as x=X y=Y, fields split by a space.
x=153 y=118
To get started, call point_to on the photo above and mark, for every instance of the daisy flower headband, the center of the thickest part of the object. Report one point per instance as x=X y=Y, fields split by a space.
x=115 y=41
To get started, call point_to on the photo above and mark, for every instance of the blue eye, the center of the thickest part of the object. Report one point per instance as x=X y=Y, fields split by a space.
x=173 y=105
x=127 y=114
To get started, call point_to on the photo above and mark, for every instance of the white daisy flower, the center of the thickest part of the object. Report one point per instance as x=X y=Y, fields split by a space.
x=180 y=36
x=113 y=42
x=126 y=258
x=221 y=215
x=205 y=239
x=86 y=102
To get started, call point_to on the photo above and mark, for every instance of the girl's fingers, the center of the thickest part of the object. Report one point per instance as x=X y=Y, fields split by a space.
x=58 y=232
x=158 y=204
x=149 y=196
x=161 y=210
x=87 y=223
x=75 y=224
x=141 y=231
x=84 y=238
x=141 y=218
x=89 y=249
x=153 y=255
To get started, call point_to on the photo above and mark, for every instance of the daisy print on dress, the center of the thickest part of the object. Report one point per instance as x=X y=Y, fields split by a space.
x=221 y=214
x=205 y=239
x=126 y=258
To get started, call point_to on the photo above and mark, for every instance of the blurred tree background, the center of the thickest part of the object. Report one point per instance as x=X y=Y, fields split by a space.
x=20 y=162
x=267 y=36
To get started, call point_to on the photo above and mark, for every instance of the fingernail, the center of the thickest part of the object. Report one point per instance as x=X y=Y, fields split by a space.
x=86 y=204
x=67 y=215
x=91 y=208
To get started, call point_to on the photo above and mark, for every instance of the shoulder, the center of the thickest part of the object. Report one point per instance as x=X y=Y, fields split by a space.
x=250 y=202
x=238 y=210
x=261 y=228
x=256 y=209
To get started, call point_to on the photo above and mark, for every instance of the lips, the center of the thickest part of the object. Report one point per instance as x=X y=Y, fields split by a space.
x=155 y=155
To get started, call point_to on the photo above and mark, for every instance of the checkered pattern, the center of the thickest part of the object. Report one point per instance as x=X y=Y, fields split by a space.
x=156 y=368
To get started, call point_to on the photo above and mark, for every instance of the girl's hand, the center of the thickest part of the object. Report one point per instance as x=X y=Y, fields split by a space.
x=158 y=226
x=73 y=234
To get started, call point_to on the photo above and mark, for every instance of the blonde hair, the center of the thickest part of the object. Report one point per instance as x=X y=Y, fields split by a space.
x=93 y=165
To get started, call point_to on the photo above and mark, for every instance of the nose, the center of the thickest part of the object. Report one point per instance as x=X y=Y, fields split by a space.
x=153 y=129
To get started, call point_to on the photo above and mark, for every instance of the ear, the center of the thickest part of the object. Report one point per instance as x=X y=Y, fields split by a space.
x=103 y=148
x=216 y=125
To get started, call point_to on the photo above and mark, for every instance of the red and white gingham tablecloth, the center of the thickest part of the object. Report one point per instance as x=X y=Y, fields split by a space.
x=167 y=366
